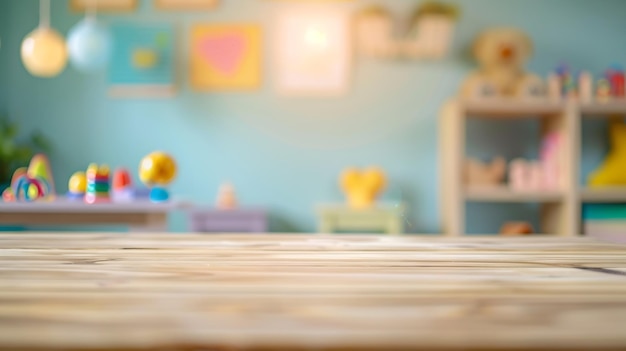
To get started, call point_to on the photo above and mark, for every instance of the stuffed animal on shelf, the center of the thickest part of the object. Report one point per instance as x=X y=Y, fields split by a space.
x=612 y=172
x=361 y=187
x=501 y=54
x=479 y=173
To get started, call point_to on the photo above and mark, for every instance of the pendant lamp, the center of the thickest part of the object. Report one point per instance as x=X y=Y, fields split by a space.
x=44 y=52
x=89 y=43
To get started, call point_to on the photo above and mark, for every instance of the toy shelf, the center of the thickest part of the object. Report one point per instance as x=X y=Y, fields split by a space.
x=504 y=194
x=511 y=109
x=603 y=195
x=559 y=210
x=598 y=109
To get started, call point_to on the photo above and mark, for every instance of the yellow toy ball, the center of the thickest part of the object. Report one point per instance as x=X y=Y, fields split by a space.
x=78 y=183
x=157 y=168
x=44 y=52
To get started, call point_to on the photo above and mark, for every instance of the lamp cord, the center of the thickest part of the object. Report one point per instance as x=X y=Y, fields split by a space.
x=44 y=13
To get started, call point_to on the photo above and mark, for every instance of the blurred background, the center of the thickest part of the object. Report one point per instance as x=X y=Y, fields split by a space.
x=284 y=152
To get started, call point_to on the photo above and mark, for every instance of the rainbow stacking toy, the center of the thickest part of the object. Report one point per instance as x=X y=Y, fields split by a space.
x=97 y=184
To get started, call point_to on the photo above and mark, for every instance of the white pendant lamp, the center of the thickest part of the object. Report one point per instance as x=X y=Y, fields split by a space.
x=44 y=52
x=89 y=43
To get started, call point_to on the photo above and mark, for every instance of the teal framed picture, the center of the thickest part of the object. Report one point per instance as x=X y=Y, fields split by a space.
x=143 y=60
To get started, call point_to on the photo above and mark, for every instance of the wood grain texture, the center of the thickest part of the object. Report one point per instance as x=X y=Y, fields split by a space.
x=301 y=292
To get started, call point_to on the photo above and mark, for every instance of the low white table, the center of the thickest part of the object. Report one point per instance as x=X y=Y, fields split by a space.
x=137 y=216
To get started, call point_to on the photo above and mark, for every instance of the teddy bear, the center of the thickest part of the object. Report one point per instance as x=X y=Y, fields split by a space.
x=502 y=54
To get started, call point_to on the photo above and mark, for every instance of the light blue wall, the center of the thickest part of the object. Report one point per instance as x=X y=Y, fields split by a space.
x=285 y=153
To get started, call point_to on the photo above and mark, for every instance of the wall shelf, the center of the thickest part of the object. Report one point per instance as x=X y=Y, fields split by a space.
x=559 y=210
x=604 y=109
x=603 y=195
x=505 y=194
x=504 y=108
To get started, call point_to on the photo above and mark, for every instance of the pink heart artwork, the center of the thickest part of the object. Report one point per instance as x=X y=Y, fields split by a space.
x=224 y=51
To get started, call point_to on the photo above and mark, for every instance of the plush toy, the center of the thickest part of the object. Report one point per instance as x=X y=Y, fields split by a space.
x=479 y=173
x=501 y=54
x=612 y=172
x=362 y=187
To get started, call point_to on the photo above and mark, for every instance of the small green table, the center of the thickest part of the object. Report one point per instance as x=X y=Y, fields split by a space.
x=380 y=218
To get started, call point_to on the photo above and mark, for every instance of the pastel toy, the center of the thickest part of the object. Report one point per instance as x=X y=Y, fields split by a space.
x=226 y=197
x=97 y=184
x=612 y=172
x=32 y=183
x=479 y=173
x=603 y=90
x=361 y=187
x=543 y=174
x=157 y=170
x=39 y=167
x=585 y=87
x=122 y=185
x=8 y=195
x=501 y=54
x=77 y=186
x=615 y=76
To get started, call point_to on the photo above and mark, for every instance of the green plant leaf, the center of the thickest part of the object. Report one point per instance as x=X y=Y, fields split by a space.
x=23 y=154
x=7 y=148
x=40 y=142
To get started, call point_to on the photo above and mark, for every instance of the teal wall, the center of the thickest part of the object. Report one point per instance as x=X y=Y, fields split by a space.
x=285 y=153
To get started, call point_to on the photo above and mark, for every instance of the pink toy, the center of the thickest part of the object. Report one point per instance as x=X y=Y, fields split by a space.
x=538 y=175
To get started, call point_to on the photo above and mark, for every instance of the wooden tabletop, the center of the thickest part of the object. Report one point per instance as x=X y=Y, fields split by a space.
x=304 y=292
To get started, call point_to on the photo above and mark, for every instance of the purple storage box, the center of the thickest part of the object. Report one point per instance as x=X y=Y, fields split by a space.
x=213 y=220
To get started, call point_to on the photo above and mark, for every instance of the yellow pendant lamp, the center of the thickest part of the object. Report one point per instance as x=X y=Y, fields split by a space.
x=44 y=52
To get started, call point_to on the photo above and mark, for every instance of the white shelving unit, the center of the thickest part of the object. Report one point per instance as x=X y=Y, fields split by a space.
x=560 y=210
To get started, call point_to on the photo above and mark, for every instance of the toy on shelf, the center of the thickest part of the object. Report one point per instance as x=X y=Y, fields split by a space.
x=157 y=170
x=32 y=183
x=603 y=90
x=585 y=87
x=477 y=173
x=615 y=76
x=543 y=174
x=362 y=187
x=567 y=83
x=122 y=186
x=97 y=184
x=226 y=197
x=516 y=228
x=612 y=172
x=502 y=54
x=77 y=186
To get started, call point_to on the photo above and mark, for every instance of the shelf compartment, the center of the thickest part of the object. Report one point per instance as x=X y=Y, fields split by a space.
x=503 y=193
x=604 y=109
x=603 y=195
x=504 y=108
